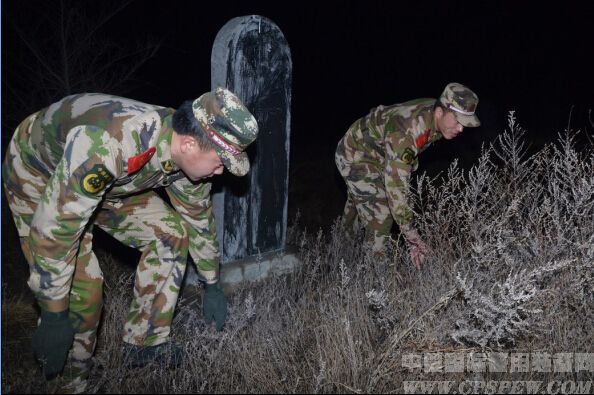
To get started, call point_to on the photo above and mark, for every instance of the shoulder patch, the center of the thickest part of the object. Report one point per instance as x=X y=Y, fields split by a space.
x=96 y=179
x=408 y=156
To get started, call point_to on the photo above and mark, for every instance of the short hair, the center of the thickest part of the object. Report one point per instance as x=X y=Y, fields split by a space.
x=439 y=104
x=184 y=122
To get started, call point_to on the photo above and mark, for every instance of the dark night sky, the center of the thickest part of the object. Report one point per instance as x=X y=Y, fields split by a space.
x=348 y=58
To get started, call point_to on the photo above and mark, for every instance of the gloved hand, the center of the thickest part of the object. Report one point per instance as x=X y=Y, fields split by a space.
x=417 y=248
x=214 y=305
x=52 y=341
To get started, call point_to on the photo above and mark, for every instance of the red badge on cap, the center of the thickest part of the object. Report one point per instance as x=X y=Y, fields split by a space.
x=135 y=163
x=423 y=139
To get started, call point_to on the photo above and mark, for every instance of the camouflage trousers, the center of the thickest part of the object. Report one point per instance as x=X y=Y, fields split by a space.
x=144 y=222
x=367 y=203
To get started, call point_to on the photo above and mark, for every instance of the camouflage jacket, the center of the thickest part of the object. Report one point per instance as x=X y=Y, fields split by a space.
x=90 y=147
x=388 y=141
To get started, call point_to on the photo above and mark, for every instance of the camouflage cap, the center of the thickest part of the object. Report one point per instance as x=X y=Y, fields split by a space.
x=462 y=102
x=229 y=125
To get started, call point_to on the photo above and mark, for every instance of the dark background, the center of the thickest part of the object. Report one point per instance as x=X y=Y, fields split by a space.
x=534 y=58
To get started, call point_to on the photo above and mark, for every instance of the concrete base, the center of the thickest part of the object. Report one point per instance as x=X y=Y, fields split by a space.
x=251 y=269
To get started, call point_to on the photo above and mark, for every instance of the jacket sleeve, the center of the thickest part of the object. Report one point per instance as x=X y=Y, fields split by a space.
x=193 y=203
x=86 y=169
x=401 y=161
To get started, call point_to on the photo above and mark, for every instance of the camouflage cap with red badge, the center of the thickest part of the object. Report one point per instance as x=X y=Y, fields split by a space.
x=462 y=102
x=229 y=125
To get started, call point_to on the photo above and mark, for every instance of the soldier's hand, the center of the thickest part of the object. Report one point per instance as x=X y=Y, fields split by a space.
x=52 y=340
x=214 y=305
x=417 y=256
x=417 y=248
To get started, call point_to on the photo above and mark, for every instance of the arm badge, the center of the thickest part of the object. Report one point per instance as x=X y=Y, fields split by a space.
x=408 y=156
x=96 y=180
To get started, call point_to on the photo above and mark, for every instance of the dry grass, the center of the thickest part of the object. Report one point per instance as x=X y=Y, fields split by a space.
x=513 y=236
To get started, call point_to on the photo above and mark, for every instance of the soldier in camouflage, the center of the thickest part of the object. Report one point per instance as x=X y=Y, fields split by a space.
x=380 y=151
x=94 y=160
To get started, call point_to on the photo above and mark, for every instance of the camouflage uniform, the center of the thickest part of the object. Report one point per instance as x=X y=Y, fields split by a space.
x=93 y=159
x=376 y=157
x=380 y=151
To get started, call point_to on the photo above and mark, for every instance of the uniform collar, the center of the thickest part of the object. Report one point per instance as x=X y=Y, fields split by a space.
x=430 y=122
x=164 y=147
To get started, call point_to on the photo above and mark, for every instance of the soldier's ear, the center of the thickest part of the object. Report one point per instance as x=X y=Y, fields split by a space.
x=187 y=143
x=439 y=112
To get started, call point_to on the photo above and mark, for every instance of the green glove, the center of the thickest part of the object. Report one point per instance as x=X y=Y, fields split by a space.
x=52 y=341
x=214 y=305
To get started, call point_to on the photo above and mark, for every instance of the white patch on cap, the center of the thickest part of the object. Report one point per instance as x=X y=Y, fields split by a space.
x=458 y=110
x=218 y=140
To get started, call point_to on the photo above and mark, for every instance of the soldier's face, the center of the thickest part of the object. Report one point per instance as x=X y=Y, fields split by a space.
x=197 y=163
x=203 y=164
x=447 y=124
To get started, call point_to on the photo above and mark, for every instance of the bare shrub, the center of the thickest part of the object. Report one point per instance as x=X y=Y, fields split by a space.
x=518 y=223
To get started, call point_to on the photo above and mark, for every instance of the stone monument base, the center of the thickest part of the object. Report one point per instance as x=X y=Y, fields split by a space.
x=250 y=269
x=256 y=268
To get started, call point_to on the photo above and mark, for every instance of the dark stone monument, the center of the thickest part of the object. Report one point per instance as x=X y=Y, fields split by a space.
x=251 y=58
